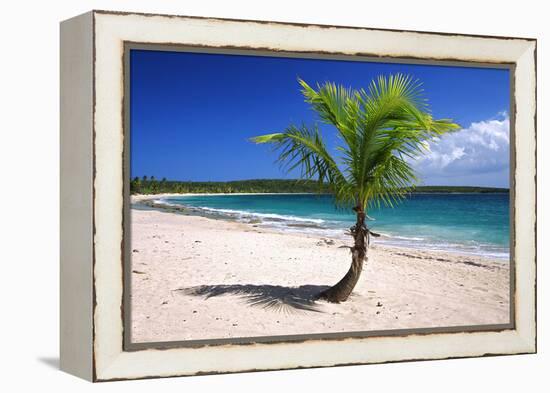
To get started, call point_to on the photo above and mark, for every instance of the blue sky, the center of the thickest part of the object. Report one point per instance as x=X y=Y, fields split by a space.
x=191 y=114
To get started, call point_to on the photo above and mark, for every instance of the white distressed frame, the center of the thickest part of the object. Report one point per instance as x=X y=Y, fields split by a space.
x=108 y=360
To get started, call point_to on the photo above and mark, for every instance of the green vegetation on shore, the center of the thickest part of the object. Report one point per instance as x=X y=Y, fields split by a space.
x=150 y=185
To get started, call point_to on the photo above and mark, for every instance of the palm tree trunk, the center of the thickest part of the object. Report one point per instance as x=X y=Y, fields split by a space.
x=341 y=291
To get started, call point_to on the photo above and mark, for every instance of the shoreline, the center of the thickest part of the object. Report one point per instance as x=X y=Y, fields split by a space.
x=140 y=197
x=389 y=241
x=187 y=269
x=144 y=197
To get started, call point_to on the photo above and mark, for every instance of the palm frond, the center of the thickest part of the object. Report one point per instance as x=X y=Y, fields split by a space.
x=395 y=123
x=381 y=128
x=304 y=148
x=335 y=105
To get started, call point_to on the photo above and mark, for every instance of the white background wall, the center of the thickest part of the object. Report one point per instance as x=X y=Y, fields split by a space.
x=29 y=179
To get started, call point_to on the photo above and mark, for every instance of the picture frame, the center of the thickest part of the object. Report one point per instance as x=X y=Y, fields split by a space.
x=94 y=279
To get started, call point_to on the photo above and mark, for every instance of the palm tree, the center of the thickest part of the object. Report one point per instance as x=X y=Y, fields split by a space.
x=381 y=130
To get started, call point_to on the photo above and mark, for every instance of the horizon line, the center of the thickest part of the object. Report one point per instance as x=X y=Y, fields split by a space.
x=149 y=178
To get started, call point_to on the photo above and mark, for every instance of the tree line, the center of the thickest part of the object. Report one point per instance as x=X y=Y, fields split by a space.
x=151 y=185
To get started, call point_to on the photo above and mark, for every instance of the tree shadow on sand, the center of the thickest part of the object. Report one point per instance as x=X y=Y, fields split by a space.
x=270 y=297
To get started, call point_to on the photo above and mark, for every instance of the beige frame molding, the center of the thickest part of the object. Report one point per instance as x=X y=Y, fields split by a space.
x=129 y=345
x=92 y=202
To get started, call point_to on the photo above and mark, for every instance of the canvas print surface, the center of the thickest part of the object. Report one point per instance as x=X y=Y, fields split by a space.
x=282 y=196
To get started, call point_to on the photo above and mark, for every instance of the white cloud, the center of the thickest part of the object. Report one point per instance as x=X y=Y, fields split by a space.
x=483 y=147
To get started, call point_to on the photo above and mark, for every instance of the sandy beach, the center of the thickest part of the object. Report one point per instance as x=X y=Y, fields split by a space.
x=201 y=278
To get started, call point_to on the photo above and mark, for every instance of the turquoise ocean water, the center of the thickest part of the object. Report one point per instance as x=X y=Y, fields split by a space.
x=468 y=223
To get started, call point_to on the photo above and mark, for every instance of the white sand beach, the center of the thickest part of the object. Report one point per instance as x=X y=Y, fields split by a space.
x=199 y=278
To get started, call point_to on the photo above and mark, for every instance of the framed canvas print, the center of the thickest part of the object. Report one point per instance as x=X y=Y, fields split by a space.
x=245 y=195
